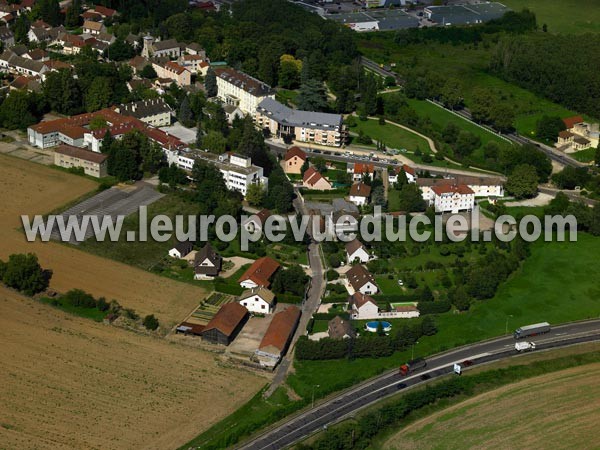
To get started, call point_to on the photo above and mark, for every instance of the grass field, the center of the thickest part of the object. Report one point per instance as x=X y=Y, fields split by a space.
x=391 y=136
x=69 y=382
x=557 y=409
x=562 y=16
x=29 y=188
x=586 y=156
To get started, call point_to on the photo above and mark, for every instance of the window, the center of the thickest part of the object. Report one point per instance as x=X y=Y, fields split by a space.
x=262 y=306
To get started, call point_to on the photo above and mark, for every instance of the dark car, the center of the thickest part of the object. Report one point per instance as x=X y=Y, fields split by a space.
x=401 y=386
x=425 y=376
x=467 y=363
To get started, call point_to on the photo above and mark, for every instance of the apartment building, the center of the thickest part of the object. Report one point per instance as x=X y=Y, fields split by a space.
x=241 y=90
x=93 y=164
x=155 y=112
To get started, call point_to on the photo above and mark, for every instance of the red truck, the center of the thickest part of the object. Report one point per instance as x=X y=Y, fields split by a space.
x=412 y=366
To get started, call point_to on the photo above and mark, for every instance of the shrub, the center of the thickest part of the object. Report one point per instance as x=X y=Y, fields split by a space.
x=150 y=322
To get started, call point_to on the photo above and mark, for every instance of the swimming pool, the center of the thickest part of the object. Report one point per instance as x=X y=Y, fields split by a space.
x=372 y=326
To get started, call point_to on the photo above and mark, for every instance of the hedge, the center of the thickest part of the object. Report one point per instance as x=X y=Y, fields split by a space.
x=438 y=307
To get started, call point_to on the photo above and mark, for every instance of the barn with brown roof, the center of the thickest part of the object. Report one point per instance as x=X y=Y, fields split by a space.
x=226 y=324
x=278 y=336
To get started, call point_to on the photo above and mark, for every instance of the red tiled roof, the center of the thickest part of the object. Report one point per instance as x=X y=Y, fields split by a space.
x=453 y=188
x=360 y=190
x=295 y=151
x=81 y=153
x=261 y=271
x=280 y=329
x=406 y=168
x=364 y=168
x=227 y=318
x=571 y=121
x=74 y=132
x=174 y=67
x=108 y=12
x=359 y=299
x=358 y=276
x=565 y=134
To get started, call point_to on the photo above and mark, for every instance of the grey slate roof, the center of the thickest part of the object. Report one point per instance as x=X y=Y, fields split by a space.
x=295 y=117
x=145 y=108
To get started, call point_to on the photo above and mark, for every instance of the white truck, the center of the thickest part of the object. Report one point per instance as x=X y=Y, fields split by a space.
x=524 y=346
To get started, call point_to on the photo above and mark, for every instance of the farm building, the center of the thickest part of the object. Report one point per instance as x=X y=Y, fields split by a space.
x=226 y=324
x=276 y=340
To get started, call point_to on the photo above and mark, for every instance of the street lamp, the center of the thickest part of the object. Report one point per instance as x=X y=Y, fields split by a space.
x=313 y=395
x=506 y=327
x=413 y=350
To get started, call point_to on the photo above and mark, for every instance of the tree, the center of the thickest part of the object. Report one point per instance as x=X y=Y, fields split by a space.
x=378 y=196
x=450 y=94
x=597 y=156
x=215 y=142
x=466 y=143
x=21 y=29
x=24 y=273
x=150 y=322
x=99 y=94
x=460 y=299
x=148 y=72
x=548 y=127
x=255 y=194
x=428 y=327
x=210 y=83
x=312 y=96
x=411 y=199
x=185 y=115
x=450 y=133
x=120 y=51
x=320 y=164
x=522 y=182
x=48 y=11
x=72 y=16
x=289 y=71
x=124 y=166
x=18 y=110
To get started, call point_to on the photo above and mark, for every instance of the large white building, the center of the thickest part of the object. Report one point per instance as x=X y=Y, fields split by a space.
x=155 y=112
x=241 y=90
x=452 y=198
x=482 y=187
x=238 y=171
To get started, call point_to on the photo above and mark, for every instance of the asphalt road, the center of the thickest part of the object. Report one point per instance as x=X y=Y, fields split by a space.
x=349 y=402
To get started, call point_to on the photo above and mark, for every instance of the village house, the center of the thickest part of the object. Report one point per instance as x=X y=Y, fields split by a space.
x=361 y=280
x=93 y=28
x=181 y=249
x=256 y=222
x=356 y=251
x=578 y=135
x=207 y=263
x=258 y=300
x=93 y=164
x=293 y=160
x=155 y=112
x=7 y=37
x=409 y=172
x=241 y=90
x=360 y=193
x=302 y=126
x=338 y=328
x=482 y=187
x=226 y=324
x=359 y=170
x=259 y=274
x=103 y=12
x=362 y=306
x=278 y=336
x=312 y=179
x=173 y=71
x=195 y=64
x=18 y=65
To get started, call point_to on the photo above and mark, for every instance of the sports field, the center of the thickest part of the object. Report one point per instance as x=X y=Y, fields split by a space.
x=559 y=410
x=69 y=382
x=29 y=188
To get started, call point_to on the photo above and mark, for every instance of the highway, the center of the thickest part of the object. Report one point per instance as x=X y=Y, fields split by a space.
x=373 y=66
x=349 y=402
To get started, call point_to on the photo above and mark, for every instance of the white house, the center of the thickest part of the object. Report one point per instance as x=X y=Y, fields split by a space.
x=256 y=221
x=258 y=300
x=181 y=249
x=453 y=198
x=242 y=90
x=484 y=187
x=259 y=274
x=360 y=193
x=411 y=174
x=362 y=307
x=356 y=251
x=361 y=280
x=359 y=170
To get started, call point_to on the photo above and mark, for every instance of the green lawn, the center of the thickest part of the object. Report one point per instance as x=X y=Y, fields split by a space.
x=288 y=254
x=585 y=156
x=320 y=326
x=562 y=16
x=89 y=313
x=286 y=96
x=392 y=136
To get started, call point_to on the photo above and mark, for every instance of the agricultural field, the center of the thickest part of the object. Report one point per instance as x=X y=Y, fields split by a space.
x=562 y=16
x=69 y=382
x=29 y=188
x=566 y=410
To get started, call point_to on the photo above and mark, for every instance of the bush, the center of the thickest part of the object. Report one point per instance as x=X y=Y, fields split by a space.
x=24 y=273
x=332 y=275
x=150 y=322
x=434 y=307
x=79 y=298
